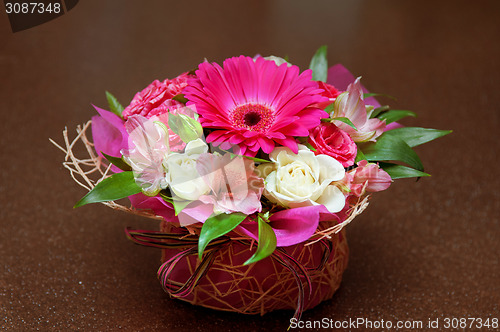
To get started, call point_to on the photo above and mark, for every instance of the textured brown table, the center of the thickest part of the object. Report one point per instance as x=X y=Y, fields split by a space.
x=423 y=250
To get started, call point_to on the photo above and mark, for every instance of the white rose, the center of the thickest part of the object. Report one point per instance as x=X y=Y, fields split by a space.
x=181 y=174
x=303 y=179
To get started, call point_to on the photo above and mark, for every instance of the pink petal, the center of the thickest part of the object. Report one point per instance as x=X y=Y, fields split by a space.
x=109 y=134
x=156 y=204
x=291 y=226
x=340 y=77
x=195 y=212
x=290 y=143
x=266 y=144
x=294 y=226
x=393 y=125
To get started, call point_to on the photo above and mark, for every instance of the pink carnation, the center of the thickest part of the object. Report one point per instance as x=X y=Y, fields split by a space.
x=148 y=101
x=328 y=139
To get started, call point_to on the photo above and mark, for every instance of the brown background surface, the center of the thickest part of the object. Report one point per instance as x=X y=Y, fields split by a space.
x=423 y=250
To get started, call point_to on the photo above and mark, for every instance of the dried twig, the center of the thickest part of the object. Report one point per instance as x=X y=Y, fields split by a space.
x=89 y=171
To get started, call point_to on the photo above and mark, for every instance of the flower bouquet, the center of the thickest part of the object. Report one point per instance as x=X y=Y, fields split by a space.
x=253 y=169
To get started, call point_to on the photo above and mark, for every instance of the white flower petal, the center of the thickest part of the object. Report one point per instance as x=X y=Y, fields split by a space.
x=332 y=198
x=330 y=169
x=196 y=147
x=284 y=158
x=189 y=189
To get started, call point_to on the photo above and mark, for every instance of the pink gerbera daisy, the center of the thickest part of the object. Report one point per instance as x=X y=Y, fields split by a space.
x=254 y=103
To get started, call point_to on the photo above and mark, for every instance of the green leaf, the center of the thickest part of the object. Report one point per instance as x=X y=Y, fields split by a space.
x=119 y=185
x=179 y=205
x=329 y=108
x=400 y=171
x=309 y=146
x=359 y=156
x=267 y=242
x=414 y=136
x=368 y=95
x=395 y=115
x=118 y=162
x=165 y=197
x=378 y=110
x=319 y=64
x=114 y=105
x=217 y=226
x=346 y=121
x=180 y=98
x=389 y=148
x=187 y=128
x=255 y=159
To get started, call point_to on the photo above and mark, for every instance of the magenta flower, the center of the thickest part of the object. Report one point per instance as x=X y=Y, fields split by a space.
x=255 y=104
x=328 y=139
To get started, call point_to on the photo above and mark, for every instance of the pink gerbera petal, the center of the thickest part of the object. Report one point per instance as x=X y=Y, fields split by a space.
x=255 y=103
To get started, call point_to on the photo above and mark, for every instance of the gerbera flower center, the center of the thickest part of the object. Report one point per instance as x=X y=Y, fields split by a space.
x=254 y=117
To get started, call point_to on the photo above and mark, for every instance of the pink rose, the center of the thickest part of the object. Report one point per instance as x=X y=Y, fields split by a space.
x=368 y=177
x=156 y=94
x=330 y=140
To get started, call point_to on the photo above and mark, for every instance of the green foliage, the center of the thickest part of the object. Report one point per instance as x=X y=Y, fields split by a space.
x=395 y=115
x=392 y=148
x=400 y=171
x=359 y=156
x=346 y=121
x=179 y=205
x=117 y=186
x=378 y=110
x=370 y=94
x=118 y=162
x=187 y=128
x=217 y=226
x=319 y=64
x=414 y=136
x=267 y=242
x=180 y=98
x=114 y=105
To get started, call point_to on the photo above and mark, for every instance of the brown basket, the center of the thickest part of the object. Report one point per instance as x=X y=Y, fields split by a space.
x=266 y=285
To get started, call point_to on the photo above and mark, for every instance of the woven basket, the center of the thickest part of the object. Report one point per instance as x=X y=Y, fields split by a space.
x=266 y=285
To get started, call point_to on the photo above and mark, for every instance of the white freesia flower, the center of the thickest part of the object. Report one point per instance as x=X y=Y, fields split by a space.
x=303 y=179
x=181 y=174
